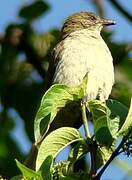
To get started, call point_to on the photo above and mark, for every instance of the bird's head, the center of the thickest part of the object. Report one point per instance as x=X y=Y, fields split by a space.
x=84 y=20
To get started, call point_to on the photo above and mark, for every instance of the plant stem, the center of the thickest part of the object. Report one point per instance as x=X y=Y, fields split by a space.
x=85 y=121
x=31 y=159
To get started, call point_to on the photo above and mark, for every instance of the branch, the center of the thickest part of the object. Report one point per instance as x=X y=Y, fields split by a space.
x=93 y=151
x=121 y=10
x=114 y=154
x=84 y=117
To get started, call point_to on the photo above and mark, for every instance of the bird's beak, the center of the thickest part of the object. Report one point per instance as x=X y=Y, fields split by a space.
x=108 y=22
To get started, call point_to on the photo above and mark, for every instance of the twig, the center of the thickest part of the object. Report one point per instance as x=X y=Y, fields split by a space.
x=114 y=154
x=93 y=152
x=121 y=9
x=85 y=121
x=92 y=144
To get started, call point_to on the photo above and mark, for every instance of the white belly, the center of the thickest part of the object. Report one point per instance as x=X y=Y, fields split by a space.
x=84 y=53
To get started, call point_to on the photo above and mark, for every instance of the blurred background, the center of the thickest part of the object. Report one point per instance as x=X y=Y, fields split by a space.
x=29 y=29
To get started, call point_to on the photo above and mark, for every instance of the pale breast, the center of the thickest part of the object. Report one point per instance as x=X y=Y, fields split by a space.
x=84 y=52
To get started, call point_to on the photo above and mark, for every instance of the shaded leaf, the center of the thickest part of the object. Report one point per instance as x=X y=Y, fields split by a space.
x=104 y=122
x=78 y=151
x=36 y=9
x=117 y=109
x=45 y=169
x=55 y=142
x=60 y=172
x=19 y=177
x=28 y=173
x=76 y=176
x=127 y=126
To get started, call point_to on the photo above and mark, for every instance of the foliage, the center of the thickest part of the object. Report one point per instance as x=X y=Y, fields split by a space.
x=24 y=58
x=113 y=124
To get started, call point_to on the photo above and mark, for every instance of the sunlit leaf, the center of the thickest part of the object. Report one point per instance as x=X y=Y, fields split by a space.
x=53 y=100
x=55 y=142
x=28 y=173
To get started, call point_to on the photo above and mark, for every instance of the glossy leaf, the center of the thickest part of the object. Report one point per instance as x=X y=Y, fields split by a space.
x=53 y=100
x=28 y=173
x=55 y=142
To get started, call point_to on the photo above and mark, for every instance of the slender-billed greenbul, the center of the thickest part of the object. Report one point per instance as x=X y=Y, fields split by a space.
x=82 y=51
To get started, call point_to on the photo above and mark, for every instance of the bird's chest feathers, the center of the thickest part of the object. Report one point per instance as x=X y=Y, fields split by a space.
x=84 y=49
x=81 y=53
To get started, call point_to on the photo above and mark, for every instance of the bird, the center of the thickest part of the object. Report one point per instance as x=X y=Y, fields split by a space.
x=82 y=51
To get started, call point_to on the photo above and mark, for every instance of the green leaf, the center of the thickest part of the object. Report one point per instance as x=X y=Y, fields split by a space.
x=45 y=169
x=55 y=142
x=127 y=126
x=34 y=10
x=118 y=109
x=53 y=100
x=28 y=173
x=78 y=151
x=104 y=122
x=60 y=169
x=60 y=172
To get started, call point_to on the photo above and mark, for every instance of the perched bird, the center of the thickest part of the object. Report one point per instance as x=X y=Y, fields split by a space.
x=82 y=51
